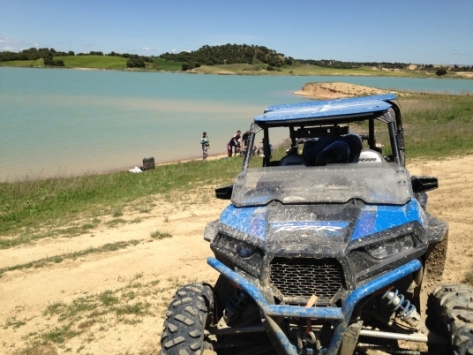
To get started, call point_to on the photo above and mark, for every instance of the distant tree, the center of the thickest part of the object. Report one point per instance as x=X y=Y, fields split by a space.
x=48 y=60
x=441 y=71
x=190 y=66
x=71 y=53
x=58 y=63
x=135 y=63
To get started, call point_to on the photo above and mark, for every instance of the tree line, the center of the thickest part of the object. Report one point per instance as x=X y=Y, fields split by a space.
x=48 y=54
x=34 y=54
x=220 y=55
x=336 y=64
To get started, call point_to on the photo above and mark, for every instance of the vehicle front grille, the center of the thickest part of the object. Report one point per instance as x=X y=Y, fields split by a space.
x=303 y=277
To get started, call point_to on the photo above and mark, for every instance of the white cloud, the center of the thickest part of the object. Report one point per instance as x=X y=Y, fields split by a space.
x=9 y=45
x=13 y=44
x=146 y=48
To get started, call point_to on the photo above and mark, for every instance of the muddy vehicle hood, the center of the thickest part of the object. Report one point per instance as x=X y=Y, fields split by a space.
x=277 y=226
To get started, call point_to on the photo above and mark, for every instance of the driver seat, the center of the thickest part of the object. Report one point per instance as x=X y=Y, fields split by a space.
x=333 y=150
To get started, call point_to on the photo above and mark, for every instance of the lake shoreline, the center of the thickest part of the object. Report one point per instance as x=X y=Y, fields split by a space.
x=76 y=122
x=317 y=71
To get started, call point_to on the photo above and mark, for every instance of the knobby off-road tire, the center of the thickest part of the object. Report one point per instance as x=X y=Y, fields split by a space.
x=450 y=314
x=186 y=319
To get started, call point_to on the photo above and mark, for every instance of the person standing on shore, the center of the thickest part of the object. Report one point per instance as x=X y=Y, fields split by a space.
x=245 y=139
x=234 y=142
x=204 y=141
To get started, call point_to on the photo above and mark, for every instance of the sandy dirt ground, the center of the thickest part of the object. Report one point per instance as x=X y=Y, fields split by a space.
x=153 y=269
x=114 y=301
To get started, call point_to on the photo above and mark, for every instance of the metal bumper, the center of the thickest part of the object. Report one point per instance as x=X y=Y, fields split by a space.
x=342 y=315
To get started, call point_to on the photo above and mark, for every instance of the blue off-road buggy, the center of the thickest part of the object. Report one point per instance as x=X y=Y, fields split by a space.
x=324 y=250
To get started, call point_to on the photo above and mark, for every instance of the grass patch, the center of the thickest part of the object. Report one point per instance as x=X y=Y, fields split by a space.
x=14 y=323
x=160 y=235
x=97 y=313
x=108 y=299
x=29 y=206
x=137 y=309
x=59 y=258
x=438 y=126
x=115 y=222
x=60 y=334
x=469 y=278
x=24 y=63
x=161 y=64
x=94 y=61
x=37 y=349
x=117 y=214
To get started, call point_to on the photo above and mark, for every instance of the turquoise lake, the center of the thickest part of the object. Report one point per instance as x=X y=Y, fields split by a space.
x=62 y=122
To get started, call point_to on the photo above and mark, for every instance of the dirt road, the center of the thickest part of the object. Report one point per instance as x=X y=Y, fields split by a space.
x=113 y=300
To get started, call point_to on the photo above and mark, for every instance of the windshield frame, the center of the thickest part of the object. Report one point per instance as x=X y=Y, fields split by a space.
x=391 y=117
x=381 y=183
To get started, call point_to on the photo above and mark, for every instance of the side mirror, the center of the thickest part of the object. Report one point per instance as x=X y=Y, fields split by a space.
x=424 y=183
x=224 y=193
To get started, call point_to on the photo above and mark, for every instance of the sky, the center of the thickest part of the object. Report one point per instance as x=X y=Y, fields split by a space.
x=407 y=31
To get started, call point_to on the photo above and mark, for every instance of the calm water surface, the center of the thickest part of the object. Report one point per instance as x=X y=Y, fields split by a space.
x=55 y=121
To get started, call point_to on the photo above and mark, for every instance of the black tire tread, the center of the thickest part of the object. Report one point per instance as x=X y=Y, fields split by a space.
x=186 y=319
x=450 y=310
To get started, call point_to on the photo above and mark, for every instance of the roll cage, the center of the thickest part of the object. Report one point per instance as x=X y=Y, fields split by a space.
x=315 y=119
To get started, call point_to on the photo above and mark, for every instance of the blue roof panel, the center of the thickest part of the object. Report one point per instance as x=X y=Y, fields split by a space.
x=383 y=97
x=323 y=110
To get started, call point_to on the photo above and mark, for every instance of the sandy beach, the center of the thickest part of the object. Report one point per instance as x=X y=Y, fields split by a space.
x=337 y=90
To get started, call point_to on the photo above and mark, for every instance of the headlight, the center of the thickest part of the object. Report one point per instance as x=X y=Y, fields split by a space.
x=390 y=247
x=236 y=246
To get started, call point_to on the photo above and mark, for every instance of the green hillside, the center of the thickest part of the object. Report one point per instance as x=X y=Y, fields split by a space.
x=94 y=61
x=240 y=59
x=23 y=63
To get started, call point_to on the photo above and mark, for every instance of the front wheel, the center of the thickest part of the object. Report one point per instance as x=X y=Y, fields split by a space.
x=186 y=319
x=450 y=314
